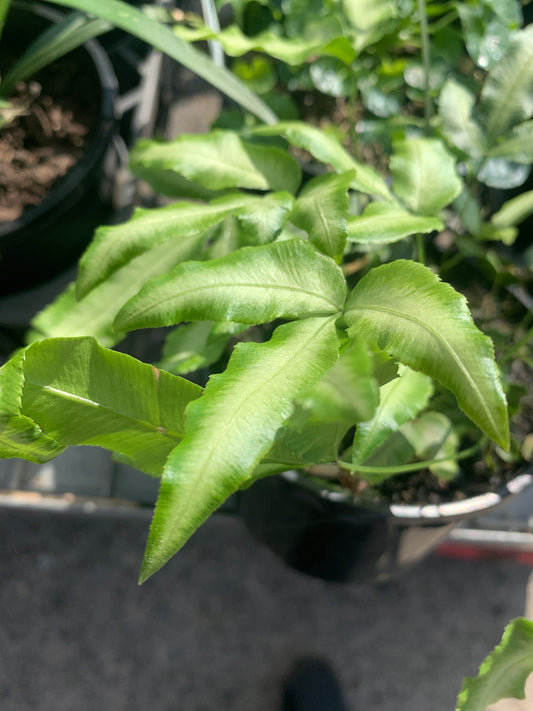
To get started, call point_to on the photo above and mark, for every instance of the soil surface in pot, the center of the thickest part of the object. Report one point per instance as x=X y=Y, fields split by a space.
x=58 y=112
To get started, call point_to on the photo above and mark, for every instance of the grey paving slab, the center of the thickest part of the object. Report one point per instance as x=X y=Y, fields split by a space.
x=220 y=626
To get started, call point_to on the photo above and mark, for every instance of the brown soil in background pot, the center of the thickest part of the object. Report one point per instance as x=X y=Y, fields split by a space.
x=59 y=110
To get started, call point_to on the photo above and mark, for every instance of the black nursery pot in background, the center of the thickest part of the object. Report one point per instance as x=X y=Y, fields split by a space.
x=332 y=536
x=50 y=236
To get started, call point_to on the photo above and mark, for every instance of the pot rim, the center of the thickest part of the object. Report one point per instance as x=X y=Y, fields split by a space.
x=98 y=142
x=426 y=513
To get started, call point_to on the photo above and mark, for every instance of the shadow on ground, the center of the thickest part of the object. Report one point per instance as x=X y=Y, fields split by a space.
x=219 y=627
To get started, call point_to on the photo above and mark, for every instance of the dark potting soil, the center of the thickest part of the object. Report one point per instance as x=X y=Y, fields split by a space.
x=59 y=110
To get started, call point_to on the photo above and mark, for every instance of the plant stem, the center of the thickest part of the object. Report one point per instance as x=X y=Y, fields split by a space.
x=426 y=60
x=4 y=8
x=414 y=466
x=420 y=249
x=522 y=342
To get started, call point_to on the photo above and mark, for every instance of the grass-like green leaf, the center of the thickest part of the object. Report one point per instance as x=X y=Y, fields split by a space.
x=80 y=393
x=504 y=672
x=326 y=149
x=219 y=160
x=94 y=314
x=399 y=401
x=287 y=279
x=424 y=175
x=507 y=96
x=514 y=211
x=156 y=34
x=384 y=222
x=114 y=246
x=232 y=426
x=322 y=209
x=59 y=39
x=408 y=312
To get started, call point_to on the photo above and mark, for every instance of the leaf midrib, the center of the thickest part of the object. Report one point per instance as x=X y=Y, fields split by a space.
x=239 y=285
x=92 y=403
x=439 y=337
x=250 y=394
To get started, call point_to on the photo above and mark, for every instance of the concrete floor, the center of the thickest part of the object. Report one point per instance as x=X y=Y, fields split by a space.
x=220 y=626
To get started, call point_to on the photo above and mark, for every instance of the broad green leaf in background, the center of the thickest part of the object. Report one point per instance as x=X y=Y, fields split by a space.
x=94 y=314
x=219 y=160
x=502 y=173
x=368 y=20
x=321 y=210
x=348 y=393
x=456 y=104
x=432 y=437
x=327 y=149
x=114 y=246
x=424 y=175
x=258 y=73
x=487 y=35
x=507 y=95
x=232 y=426
x=384 y=222
x=399 y=401
x=196 y=345
x=363 y=15
x=287 y=279
x=514 y=211
x=138 y=24
x=80 y=393
x=504 y=672
x=315 y=441
x=469 y=210
x=331 y=77
x=516 y=145
x=292 y=50
x=406 y=311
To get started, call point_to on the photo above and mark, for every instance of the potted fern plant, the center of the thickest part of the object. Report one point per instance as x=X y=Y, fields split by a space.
x=325 y=334
x=321 y=337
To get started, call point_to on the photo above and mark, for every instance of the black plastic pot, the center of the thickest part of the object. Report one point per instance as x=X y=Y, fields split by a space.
x=50 y=236
x=334 y=537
